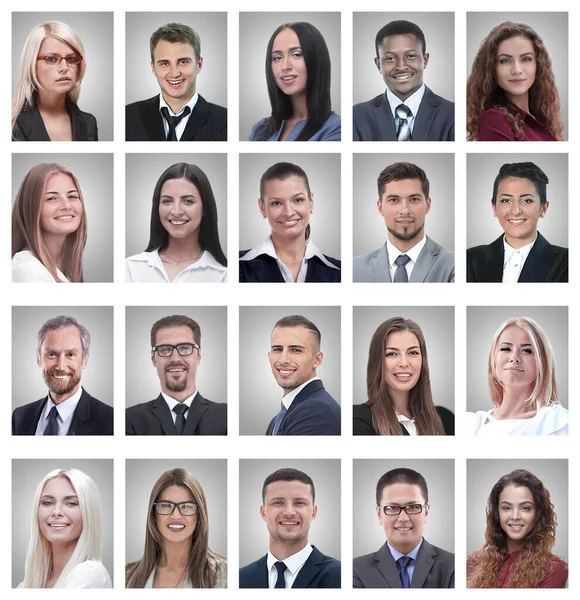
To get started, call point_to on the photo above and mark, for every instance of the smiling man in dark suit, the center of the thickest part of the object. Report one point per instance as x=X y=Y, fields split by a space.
x=407 y=560
x=62 y=353
x=408 y=110
x=288 y=509
x=179 y=409
x=179 y=113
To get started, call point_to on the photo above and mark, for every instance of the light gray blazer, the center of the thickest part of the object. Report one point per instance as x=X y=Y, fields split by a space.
x=434 y=265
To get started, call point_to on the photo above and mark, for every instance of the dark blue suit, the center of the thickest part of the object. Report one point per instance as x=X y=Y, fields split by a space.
x=313 y=412
x=434 y=122
x=319 y=571
x=264 y=269
x=91 y=417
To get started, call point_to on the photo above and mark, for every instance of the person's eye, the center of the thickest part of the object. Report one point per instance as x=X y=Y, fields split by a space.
x=414 y=352
x=46 y=503
x=297 y=54
x=73 y=197
x=188 y=201
x=296 y=350
x=166 y=201
x=504 y=349
x=504 y=61
x=72 y=503
x=392 y=200
x=390 y=354
x=184 y=61
x=71 y=354
x=162 y=63
x=505 y=200
x=276 y=58
x=411 y=56
x=389 y=59
x=527 y=200
x=52 y=198
x=299 y=199
x=275 y=203
x=277 y=502
x=527 y=351
x=527 y=59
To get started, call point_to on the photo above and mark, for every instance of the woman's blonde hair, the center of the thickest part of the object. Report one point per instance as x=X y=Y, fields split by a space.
x=26 y=233
x=38 y=567
x=27 y=81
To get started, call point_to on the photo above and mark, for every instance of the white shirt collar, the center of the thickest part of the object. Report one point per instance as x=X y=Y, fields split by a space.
x=294 y=562
x=509 y=251
x=154 y=260
x=413 y=101
x=191 y=105
x=171 y=402
x=289 y=397
x=413 y=253
x=67 y=407
x=408 y=424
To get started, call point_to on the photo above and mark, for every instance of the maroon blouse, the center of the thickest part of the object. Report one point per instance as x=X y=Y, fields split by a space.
x=495 y=126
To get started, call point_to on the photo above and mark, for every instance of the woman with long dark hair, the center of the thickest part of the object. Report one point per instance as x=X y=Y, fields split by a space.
x=298 y=77
x=511 y=91
x=398 y=386
x=184 y=243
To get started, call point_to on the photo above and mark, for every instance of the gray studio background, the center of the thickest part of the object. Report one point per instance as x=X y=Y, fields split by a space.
x=260 y=395
x=94 y=173
x=141 y=380
x=437 y=324
x=141 y=475
x=323 y=171
x=482 y=475
x=27 y=474
x=97 y=378
x=324 y=530
x=438 y=28
x=142 y=171
x=368 y=533
x=482 y=169
x=255 y=31
x=370 y=231
x=212 y=29
x=484 y=321
x=96 y=32
x=552 y=27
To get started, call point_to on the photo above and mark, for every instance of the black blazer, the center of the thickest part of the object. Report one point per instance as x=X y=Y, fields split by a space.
x=154 y=418
x=29 y=126
x=319 y=571
x=545 y=263
x=91 y=417
x=207 y=123
x=264 y=269
x=362 y=421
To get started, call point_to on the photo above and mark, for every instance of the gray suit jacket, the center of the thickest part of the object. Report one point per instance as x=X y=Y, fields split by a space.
x=434 y=265
x=434 y=568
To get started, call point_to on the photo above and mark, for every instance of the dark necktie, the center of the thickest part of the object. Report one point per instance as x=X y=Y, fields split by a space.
x=173 y=122
x=404 y=131
x=402 y=565
x=180 y=410
x=278 y=421
x=401 y=272
x=280 y=567
x=52 y=427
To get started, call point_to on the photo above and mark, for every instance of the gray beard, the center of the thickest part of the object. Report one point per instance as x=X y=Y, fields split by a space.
x=61 y=387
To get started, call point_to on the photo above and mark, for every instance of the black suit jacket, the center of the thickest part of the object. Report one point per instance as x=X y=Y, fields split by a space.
x=207 y=123
x=545 y=263
x=319 y=571
x=264 y=269
x=29 y=126
x=362 y=420
x=374 y=122
x=154 y=418
x=91 y=417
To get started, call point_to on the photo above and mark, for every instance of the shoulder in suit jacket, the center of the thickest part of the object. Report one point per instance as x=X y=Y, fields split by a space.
x=319 y=571
x=434 y=568
x=374 y=122
x=313 y=412
x=29 y=126
x=434 y=265
x=545 y=263
x=91 y=417
x=154 y=418
x=207 y=123
x=264 y=269
x=362 y=420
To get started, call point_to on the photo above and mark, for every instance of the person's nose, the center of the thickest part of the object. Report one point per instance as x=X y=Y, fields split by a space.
x=177 y=208
x=61 y=362
x=403 y=362
x=63 y=66
x=516 y=67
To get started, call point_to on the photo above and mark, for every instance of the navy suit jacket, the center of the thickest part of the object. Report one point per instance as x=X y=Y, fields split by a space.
x=434 y=122
x=545 y=263
x=154 y=418
x=319 y=571
x=313 y=412
x=91 y=417
x=264 y=269
x=144 y=123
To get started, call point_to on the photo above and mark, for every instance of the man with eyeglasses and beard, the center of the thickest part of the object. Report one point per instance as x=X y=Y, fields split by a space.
x=180 y=409
x=62 y=353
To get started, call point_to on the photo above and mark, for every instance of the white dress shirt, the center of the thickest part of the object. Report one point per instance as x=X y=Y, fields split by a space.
x=148 y=267
x=171 y=402
x=413 y=254
x=408 y=424
x=289 y=397
x=293 y=565
x=549 y=420
x=412 y=102
x=26 y=268
x=183 y=123
x=65 y=412
x=514 y=260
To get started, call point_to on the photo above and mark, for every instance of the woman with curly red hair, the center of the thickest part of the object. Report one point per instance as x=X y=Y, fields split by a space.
x=511 y=91
x=519 y=536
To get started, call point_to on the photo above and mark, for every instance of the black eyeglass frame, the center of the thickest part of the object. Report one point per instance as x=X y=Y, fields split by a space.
x=403 y=507
x=173 y=505
x=173 y=347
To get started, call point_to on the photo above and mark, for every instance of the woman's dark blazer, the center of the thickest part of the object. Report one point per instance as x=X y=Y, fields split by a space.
x=264 y=269
x=29 y=126
x=545 y=263
x=362 y=420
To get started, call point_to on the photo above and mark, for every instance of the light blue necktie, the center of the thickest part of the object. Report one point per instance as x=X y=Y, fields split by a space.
x=402 y=564
x=279 y=418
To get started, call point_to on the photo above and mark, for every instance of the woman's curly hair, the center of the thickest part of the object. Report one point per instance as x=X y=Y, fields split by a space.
x=483 y=91
x=536 y=560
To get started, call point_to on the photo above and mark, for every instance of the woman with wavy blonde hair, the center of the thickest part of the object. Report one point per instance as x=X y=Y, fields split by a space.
x=65 y=543
x=48 y=85
x=511 y=91
x=519 y=537
x=49 y=227
x=177 y=552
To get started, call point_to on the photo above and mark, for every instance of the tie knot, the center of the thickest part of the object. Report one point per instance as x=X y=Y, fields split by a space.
x=174 y=120
x=404 y=562
x=53 y=414
x=403 y=112
x=280 y=567
x=180 y=409
x=402 y=259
